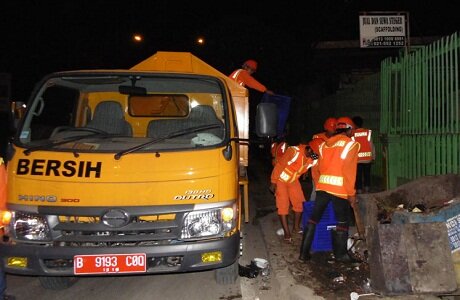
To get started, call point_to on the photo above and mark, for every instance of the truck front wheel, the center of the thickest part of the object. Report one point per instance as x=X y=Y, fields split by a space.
x=57 y=283
x=227 y=275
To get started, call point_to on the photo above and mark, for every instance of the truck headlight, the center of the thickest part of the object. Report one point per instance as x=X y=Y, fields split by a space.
x=208 y=223
x=29 y=227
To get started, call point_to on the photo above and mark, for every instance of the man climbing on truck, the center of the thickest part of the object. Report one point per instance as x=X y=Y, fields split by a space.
x=244 y=77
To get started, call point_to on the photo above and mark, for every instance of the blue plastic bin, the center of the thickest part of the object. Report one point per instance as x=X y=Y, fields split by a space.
x=283 y=104
x=322 y=240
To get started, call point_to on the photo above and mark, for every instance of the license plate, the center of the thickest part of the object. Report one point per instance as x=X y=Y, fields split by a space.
x=109 y=263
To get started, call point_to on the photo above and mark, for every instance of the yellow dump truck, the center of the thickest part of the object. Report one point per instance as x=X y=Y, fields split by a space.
x=117 y=172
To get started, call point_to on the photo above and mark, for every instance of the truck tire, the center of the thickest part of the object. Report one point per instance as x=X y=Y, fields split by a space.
x=57 y=283
x=227 y=275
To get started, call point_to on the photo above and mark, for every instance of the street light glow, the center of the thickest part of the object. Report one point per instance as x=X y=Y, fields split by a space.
x=138 y=38
x=200 y=40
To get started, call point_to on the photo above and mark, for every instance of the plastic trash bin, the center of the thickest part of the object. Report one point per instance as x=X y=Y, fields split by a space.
x=323 y=239
x=283 y=104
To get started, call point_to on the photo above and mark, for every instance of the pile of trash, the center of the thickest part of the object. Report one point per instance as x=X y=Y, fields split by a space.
x=428 y=197
x=256 y=267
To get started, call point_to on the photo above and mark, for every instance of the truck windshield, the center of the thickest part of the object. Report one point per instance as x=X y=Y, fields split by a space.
x=119 y=112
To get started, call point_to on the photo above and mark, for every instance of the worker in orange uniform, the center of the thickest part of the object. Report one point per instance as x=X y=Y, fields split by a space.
x=286 y=186
x=3 y=183
x=277 y=149
x=244 y=77
x=337 y=163
x=366 y=155
x=329 y=129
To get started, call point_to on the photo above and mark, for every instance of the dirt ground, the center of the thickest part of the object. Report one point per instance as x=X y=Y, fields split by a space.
x=327 y=278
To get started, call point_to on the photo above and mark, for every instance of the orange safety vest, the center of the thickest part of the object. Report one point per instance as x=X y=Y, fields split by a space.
x=277 y=150
x=364 y=137
x=243 y=78
x=338 y=160
x=291 y=165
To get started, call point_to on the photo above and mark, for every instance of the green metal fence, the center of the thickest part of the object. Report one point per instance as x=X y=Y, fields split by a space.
x=420 y=117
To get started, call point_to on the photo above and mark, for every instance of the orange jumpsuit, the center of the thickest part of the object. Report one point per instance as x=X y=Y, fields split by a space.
x=286 y=175
x=245 y=79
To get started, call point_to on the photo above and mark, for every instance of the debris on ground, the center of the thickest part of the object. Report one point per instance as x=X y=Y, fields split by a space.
x=328 y=278
x=256 y=267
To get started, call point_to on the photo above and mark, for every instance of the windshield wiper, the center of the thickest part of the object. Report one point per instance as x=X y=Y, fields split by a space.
x=169 y=136
x=64 y=141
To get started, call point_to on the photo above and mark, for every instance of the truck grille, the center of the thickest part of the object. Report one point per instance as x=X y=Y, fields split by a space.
x=102 y=227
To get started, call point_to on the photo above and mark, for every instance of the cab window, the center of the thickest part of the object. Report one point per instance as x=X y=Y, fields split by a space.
x=159 y=105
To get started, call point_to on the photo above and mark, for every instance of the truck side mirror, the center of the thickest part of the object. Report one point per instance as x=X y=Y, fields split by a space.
x=266 y=119
x=17 y=112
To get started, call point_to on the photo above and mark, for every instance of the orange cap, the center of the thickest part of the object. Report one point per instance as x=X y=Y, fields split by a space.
x=345 y=123
x=251 y=63
x=330 y=124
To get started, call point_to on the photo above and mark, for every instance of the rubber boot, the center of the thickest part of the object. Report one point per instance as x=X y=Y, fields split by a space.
x=339 y=246
x=307 y=240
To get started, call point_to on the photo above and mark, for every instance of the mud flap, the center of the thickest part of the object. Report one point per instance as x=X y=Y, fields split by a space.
x=227 y=275
x=410 y=258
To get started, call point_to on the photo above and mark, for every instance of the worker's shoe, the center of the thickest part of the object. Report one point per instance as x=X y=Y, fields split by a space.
x=339 y=246
x=307 y=240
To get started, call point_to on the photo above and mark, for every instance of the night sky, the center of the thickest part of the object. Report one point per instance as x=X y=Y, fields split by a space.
x=39 y=37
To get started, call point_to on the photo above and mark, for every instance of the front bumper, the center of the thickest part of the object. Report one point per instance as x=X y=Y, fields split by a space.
x=58 y=261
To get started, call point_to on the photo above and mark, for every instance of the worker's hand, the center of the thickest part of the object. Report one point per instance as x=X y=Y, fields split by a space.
x=270 y=92
x=313 y=155
x=272 y=188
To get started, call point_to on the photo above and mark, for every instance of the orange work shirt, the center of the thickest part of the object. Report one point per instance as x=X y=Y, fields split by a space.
x=337 y=164
x=245 y=79
x=277 y=150
x=291 y=165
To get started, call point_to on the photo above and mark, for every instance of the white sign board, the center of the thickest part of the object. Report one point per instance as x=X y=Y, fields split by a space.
x=453 y=231
x=382 y=31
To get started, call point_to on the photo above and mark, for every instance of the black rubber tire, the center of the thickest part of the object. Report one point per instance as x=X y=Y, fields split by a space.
x=57 y=283
x=227 y=275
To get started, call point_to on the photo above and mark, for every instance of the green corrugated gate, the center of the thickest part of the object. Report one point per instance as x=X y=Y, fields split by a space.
x=419 y=120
